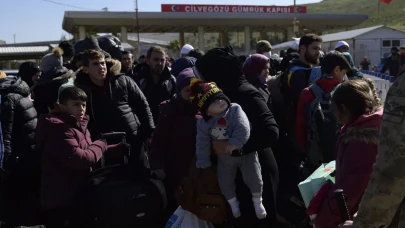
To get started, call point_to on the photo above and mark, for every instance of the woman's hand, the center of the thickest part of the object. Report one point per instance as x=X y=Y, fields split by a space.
x=219 y=146
x=347 y=224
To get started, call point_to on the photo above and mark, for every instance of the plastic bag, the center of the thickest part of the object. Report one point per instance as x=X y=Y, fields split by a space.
x=313 y=183
x=185 y=219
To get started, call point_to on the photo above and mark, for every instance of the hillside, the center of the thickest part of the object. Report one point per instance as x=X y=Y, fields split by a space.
x=392 y=14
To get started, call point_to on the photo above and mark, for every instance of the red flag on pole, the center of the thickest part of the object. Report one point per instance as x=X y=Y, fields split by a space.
x=386 y=1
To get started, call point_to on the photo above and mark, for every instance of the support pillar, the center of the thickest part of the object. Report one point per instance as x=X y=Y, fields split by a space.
x=247 y=40
x=124 y=34
x=82 y=32
x=181 y=38
x=290 y=33
x=8 y=64
x=201 y=38
x=262 y=35
x=223 y=36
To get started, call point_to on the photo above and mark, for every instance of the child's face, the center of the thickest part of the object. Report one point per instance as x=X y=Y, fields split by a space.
x=185 y=93
x=97 y=69
x=339 y=73
x=76 y=108
x=217 y=107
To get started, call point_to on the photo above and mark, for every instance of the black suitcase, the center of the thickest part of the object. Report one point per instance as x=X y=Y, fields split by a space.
x=116 y=197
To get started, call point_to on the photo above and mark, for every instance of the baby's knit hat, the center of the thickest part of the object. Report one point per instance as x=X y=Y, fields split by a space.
x=203 y=94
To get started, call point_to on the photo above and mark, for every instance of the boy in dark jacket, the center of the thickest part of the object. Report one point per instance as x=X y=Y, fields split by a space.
x=68 y=154
x=334 y=67
x=115 y=103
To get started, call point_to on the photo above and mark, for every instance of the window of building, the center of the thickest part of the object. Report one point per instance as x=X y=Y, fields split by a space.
x=386 y=43
x=391 y=43
x=396 y=43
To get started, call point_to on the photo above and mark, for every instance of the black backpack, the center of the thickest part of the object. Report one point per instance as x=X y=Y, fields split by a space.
x=119 y=196
x=322 y=128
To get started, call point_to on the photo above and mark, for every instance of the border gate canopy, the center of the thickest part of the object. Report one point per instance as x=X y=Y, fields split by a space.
x=166 y=22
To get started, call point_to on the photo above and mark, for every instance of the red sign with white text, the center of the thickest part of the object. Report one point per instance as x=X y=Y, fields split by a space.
x=231 y=9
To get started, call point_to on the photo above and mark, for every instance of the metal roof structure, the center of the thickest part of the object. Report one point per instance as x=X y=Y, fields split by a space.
x=163 y=22
x=133 y=37
x=347 y=35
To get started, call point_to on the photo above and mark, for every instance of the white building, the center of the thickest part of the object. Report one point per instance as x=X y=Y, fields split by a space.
x=372 y=42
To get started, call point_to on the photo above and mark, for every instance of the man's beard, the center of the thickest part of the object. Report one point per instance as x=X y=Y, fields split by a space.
x=311 y=59
x=157 y=70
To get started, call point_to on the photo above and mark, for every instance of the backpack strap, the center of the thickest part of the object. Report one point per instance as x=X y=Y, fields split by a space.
x=292 y=70
x=316 y=90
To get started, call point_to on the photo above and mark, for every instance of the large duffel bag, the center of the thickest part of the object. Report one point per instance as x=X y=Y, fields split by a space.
x=115 y=196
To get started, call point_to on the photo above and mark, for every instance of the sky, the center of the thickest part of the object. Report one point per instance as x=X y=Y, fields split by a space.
x=41 y=20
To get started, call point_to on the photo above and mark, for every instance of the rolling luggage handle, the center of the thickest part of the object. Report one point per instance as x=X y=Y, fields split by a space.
x=341 y=201
x=114 y=135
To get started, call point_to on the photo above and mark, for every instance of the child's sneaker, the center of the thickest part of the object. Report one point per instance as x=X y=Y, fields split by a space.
x=259 y=208
x=234 y=203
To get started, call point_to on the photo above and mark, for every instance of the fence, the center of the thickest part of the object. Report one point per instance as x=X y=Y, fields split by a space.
x=382 y=82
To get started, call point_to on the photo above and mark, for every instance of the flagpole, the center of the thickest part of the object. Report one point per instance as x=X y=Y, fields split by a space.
x=378 y=14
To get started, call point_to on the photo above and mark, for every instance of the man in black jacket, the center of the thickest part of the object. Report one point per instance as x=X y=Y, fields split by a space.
x=392 y=63
x=296 y=77
x=20 y=169
x=115 y=102
x=155 y=80
x=127 y=67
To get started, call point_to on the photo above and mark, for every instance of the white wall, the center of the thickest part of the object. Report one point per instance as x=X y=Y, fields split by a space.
x=367 y=47
x=370 y=44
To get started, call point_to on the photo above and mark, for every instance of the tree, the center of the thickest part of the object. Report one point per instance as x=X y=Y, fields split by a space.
x=174 y=45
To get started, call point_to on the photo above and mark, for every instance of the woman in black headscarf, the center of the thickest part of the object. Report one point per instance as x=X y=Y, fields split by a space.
x=223 y=66
x=29 y=72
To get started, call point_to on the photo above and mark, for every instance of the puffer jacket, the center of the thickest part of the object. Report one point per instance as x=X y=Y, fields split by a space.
x=18 y=122
x=119 y=106
x=45 y=91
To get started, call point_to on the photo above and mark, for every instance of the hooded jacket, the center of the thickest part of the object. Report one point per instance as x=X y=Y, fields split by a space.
x=67 y=157
x=356 y=152
x=156 y=93
x=383 y=203
x=18 y=122
x=174 y=141
x=118 y=106
x=45 y=91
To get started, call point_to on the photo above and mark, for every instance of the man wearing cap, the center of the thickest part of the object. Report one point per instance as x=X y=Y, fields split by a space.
x=343 y=47
x=264 y=47
x=392 y=63
x=68 y=54
x=184 y=62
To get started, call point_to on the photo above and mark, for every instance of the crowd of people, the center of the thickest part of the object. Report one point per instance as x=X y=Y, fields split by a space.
x=254 y=126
